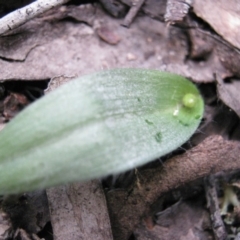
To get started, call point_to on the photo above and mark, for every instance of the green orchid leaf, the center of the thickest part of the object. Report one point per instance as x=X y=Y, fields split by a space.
x=96 y=125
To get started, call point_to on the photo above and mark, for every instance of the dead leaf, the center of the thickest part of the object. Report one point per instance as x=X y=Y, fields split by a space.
x=229 y=94
x=13 y=104
x=185 y=220
x=62 y=48
x=223 y=16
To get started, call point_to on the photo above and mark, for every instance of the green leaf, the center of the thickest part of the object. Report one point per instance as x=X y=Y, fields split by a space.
x=97 y=125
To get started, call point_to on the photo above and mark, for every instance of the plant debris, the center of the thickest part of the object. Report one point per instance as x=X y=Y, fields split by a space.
x=86 y=36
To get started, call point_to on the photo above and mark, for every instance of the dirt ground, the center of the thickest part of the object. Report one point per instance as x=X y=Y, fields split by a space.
x=191 y=193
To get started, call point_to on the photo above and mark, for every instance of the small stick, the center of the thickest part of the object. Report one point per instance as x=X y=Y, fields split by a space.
x=22 y=15
x=132 y=13
x=212 y=201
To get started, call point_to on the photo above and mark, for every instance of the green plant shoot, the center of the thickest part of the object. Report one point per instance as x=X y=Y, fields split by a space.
x=97 y=125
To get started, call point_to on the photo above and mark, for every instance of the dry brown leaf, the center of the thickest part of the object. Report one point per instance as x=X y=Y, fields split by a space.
x=65 y=48
x=223 y=16
x=183 y=220
x=229 y=94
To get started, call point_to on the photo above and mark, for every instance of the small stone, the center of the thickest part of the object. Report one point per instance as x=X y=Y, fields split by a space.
x=107 y=35
x=131 y=57
x=149 y=40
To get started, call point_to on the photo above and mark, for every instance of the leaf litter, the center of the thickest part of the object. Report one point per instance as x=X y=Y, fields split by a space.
x=54 y=45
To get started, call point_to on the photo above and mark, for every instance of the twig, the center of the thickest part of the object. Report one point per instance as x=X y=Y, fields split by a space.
x=132 y=13
x=22 y=15
x=212 y=200
x=211 y=156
